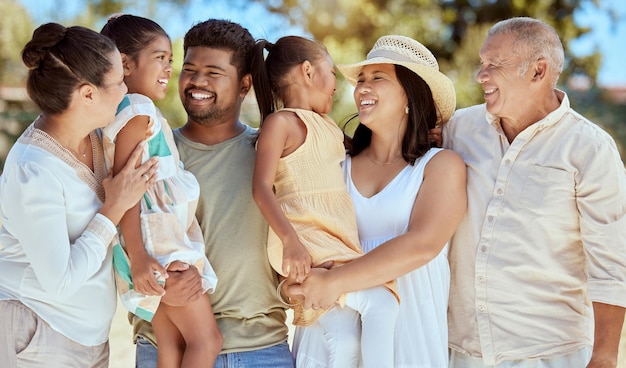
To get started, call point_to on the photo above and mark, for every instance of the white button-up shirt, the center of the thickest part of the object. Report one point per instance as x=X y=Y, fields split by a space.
x=544 y=235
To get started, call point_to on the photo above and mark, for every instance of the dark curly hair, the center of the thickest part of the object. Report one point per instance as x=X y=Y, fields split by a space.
x=224 y=35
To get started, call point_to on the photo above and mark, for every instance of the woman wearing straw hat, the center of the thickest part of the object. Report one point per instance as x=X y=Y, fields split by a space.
x=408 y=197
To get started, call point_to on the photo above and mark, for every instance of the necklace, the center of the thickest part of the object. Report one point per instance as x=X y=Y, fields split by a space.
x=386 y=163
x=82 y=154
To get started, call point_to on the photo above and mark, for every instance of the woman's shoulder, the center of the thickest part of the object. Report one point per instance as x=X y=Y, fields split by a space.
x=30 y=166
x=445 y=165
x=443 y=159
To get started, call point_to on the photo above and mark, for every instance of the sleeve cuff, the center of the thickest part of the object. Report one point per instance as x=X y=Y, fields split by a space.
x=102 y=228
x=608 y=292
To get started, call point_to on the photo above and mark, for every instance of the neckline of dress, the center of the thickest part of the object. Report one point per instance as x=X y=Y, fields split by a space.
x=349 y=168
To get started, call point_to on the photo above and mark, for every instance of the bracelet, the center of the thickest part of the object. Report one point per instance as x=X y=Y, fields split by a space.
x=280 y=295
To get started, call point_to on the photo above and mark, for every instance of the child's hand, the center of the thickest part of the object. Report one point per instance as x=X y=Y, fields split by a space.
x=296 y=261
x=144 y=272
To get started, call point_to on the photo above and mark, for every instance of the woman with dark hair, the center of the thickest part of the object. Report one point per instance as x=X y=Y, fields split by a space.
x=60 y=208
x=408 y=198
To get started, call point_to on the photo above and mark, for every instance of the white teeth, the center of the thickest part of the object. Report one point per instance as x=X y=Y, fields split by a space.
x=163 y=81
x=367 y=102
x=490 y=91
x=201 y=96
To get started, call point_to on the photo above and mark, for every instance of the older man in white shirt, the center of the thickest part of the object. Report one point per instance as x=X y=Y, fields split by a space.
x=539 y=259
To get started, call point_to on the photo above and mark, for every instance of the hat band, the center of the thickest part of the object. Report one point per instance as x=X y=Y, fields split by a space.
x=391 y=55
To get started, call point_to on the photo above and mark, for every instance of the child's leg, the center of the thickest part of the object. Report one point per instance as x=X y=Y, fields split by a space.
x=169 y=339
x=342 y=330
x=379 y=310
x=197 y=329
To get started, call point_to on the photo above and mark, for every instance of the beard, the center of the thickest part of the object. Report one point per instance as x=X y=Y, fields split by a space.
x=205 y=116
x=215 y=113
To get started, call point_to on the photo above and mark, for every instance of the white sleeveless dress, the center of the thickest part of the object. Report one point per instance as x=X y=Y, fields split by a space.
x=421 y=336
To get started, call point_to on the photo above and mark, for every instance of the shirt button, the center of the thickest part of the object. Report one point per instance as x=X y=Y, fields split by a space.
x=507 y=161
x=483 y=248
x=480 y=278
x=490 y=218
x=481 y=308
x=499 y=191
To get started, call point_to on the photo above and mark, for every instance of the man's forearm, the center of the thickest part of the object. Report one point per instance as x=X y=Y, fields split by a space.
x=609 y=320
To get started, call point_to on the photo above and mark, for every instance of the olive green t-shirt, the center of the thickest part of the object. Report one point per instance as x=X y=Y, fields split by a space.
x=247 y=310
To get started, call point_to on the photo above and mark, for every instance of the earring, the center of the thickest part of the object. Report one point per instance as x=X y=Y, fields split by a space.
x=406 y=109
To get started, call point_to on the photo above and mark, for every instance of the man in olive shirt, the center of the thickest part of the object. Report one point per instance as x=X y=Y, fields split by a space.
x=219 y=150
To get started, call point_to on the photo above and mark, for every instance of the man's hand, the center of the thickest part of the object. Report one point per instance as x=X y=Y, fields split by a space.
x=183 y=285
x=435 y=137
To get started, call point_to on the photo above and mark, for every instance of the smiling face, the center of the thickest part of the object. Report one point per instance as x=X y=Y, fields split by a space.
x=379 y=96
x=150 y=70
x=506 y=92
x=209 y=86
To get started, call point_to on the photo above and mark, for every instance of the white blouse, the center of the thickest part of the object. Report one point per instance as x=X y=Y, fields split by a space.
x=55 y=256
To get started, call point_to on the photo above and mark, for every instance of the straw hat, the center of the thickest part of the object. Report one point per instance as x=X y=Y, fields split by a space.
x=405 y=51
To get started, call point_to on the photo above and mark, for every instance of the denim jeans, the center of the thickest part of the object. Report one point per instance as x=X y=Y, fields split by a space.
x=277 y=356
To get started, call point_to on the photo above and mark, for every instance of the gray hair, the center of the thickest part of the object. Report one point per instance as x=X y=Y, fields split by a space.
x=534 y=40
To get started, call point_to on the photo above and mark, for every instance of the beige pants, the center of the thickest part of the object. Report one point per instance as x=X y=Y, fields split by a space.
x=27 y=341
x=578 y=359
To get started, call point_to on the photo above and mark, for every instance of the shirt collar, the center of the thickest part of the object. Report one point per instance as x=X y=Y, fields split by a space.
x=550 y=119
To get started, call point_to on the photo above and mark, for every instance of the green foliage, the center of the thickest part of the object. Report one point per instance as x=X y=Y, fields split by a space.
x=15 y=31
x=596 y=105
x=453 y=29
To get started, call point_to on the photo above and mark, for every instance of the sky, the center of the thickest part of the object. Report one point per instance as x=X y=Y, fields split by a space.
x=605 y=35
x=608 y=37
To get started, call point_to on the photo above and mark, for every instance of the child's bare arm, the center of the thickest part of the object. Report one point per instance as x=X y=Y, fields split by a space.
x=273 y=139
x=142 y=265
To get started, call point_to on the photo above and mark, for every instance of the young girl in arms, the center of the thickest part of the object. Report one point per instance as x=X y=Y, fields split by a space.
x=298 y=186
x=162 y=228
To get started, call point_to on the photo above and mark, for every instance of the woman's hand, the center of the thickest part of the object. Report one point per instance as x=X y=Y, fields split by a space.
x=146 y=272
x=318 y=290
x=125 y=189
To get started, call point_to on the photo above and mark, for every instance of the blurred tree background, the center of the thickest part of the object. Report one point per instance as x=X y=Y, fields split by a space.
x=453 y=29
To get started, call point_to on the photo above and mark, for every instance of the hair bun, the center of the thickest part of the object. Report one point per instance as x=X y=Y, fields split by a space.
x=44 y=37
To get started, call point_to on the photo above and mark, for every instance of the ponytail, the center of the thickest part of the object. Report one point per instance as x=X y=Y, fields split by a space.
x=260 y=79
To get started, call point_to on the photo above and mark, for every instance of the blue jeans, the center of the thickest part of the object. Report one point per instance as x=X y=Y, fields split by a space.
x=277 y=356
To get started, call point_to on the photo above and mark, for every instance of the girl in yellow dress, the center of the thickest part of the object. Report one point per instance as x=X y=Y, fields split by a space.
x=298 y=185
